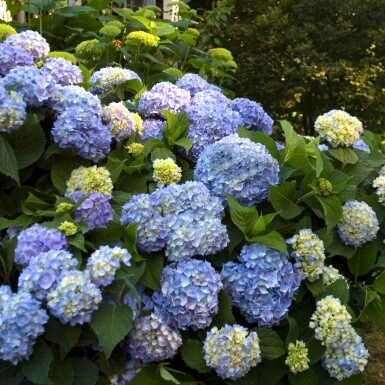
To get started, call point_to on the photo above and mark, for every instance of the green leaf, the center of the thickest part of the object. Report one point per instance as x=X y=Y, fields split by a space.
x=130 y=234
x=316 y=287
x=77 y=240
x=85 y=372
x=192 y=355
x=303 y=378
x=166 y=375
x=293 y=334
x=315 y=350
x=22 y=220
x=36 y=369
x=271 y=345
x=152 y=144
x=363 y=260
x=177 y=126
x=61 y=171
x=332 y=210
x=10 y=374
x=162 y=153
x=274 y=240
x=111 y=323
x=28 y=142
x=151 y=276
x=225 y=313
x=146 y=376
x=344 y=155
x=352 y=380
x=379 y=283
x=8 y=162
x=282 y=198
x=376 y=312
x=186 y=143
x=62 y=372
x=338 y=289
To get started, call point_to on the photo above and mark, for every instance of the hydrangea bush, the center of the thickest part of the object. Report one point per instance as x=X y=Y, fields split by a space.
x=154 y=231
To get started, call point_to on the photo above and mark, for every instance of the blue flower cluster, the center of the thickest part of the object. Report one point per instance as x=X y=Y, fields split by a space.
x=193 y=83
x=211 y=119
x=109 y=78
x=361 y=145
x=232 y=351
x=81 y=129
x=152 y=340
x=22 y=321
x=163 y=96
x=32 y=85
x=74 y=298
x=379 y=185
x=11 y=57
x=104 y=262
x=358 y=224
x=41 y=274
x=183 y=218
x=253 y=115
x=263 y=285
x=35 y=240
x=189 y=294
x=31 y=41
x=239 y=167
x=152 y=129
x=144 y=303
x=62 y=71
x=12 y=110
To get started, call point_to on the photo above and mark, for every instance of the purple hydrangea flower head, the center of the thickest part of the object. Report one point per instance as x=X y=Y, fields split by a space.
x=31 y=41
x=36 y=240
x=263 y=285
x=146 y=303
x=74 y=96
x=163 y=96
x=12 y=110
x=104 y=262
x=81 y=129
x=152 y=340
x=74 y=298
x=210 y=96
x=62 y=71
x=33 y=86
x=152 y=129
x=11 y=57
x=189 y=294
x=111 y=77
x=40 y=275
x=253 y=115
x=95 y=210
x=232 y=351
x=22 y=320
x=239 y=167
x=193 y=83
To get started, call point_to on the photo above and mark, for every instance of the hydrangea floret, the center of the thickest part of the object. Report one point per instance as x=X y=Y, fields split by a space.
x=64 y=207
x=379 y=185
x=135 y=149
x=166 y=172
x=6 y=31
x=152 y=129
x=330 y=275
x=68 y=228
x=89 y=49
x=309 y=254
x=338 y=128
x=194 y=83
x=358 y=224
x=110 y=30
x=11 y=57
x=232 y=351
x=12 y=111
x=189 y=294
x=325 y=186
x=64 y=55
x=239 y=167
x=220 y=54
x=62 y=71
x=297 y=357
x=142 y=38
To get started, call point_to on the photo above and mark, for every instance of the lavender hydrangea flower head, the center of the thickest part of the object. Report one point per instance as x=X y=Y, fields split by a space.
x=74 y=298
x=62 y=71
x=81 y=129
x=33 y=86
x=263 y=285
x=152 y=129
x=22 y=320
x=11 y=57
x=35 y=240
x=193 y=83
x=338 y=128
x=12 y=110
x=152 y=340
x=238 y=167
x=232 y=351
x=111 y=77
x=189 y=294
x=146 y=304
x=358 y=224
x=163 y=96
x=63 y=97
x=31 y=41
x=253 y=115
x=40 y=275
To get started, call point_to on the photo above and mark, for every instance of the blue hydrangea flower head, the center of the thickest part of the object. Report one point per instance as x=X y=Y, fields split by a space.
x=146 y=304
x=163 y=96
x=109 y=78
x=232 y=351
x=81 y=129
x=152 y=340
x=74 y=298
x=358 y=224
x=253 y=115
x=263 y=285
x=193 y=83
x=37 y=239
x=379 y=185
x=12 y=110
x=189 y=294
x=32 y=85
x=239 y=167
x=11 y=57
x=62 y=71
x=22 y=320
x=40 y=275
x=31 y=41
x=152 y=129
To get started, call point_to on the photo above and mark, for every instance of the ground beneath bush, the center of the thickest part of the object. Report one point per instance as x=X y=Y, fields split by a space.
x=375 y=341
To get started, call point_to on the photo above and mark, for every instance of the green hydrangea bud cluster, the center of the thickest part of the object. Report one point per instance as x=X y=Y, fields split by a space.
x=297 y=357
x=166 y=172
x=142 y=38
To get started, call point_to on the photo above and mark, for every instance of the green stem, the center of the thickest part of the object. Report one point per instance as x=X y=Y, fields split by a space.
x=307 y=195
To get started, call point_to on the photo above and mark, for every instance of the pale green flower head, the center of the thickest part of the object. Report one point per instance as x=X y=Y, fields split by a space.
x=64 y=207
x=297 y=358
x=135 y=149
x=6 y=31
x=220 y=54
x=89 y=49
x=325 y=186
x=193 y=31
x=138 y=122
x=68 y=228
x=174 y=72
x=110 y=30
x=142 y=38
x=166 y=172
x=64 y=55
x=116 y=23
